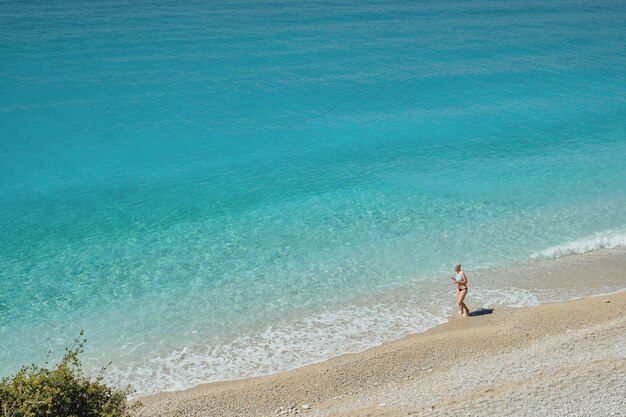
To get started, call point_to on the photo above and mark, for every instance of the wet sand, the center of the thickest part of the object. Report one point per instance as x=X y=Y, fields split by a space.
x=566 y=358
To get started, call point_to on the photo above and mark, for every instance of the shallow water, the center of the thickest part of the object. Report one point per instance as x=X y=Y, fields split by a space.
x=191 y=183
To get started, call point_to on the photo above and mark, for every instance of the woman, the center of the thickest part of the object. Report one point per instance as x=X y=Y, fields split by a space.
x=460 y=279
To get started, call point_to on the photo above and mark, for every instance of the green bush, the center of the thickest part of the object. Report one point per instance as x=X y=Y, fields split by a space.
x=62 y=391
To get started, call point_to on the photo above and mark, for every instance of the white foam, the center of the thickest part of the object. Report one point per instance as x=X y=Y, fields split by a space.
x=511 y=297
x=315 y=338
x=606 y=240
x=312 y=339
x=274 y=349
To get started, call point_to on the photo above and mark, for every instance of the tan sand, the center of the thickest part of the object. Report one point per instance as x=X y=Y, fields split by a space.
x=555 y=359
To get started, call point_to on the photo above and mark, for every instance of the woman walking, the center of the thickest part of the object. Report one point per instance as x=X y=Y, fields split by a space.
x=460 y=279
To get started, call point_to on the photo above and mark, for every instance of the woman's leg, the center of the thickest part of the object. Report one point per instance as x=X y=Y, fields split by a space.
x=460 y=300
x=460 y=295
x=466 y=309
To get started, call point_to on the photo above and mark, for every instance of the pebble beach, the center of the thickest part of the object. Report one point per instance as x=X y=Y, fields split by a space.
x=564 y=358
x=253 y=208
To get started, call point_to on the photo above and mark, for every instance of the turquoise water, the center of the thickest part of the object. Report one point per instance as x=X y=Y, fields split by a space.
x=214 y=190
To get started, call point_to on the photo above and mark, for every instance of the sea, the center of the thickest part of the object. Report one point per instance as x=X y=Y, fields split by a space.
x=213 y=190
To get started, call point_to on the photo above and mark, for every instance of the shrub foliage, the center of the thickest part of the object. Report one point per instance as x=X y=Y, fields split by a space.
x=62 y=391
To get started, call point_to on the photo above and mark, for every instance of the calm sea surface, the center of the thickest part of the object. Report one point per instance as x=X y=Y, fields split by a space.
x=214 y=190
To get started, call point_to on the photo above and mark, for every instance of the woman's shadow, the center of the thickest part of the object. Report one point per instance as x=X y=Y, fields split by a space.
x=480 y=312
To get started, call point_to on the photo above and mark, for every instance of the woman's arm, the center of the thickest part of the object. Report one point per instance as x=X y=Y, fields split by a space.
x=464 y=280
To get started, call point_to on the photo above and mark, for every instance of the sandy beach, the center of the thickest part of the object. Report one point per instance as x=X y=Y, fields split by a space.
x=565 y=358
x=254 y=208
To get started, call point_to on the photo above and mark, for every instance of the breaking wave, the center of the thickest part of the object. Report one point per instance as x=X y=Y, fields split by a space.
x=606 y=240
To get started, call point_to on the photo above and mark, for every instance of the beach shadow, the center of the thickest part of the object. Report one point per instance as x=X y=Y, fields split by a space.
x=480 y=312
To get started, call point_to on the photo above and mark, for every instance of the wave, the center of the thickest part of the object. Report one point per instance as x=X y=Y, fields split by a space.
x=311 y=339
x=315 y=338
x=276 y=348
x=606 y=240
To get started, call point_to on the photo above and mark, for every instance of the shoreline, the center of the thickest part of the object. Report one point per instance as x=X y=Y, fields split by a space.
x=372 y=319
x=358 y=383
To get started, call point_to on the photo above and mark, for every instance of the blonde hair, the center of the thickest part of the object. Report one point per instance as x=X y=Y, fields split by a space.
x=457 y=266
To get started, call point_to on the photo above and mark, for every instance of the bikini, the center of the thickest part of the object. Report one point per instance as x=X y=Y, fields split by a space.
x=459 y=278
